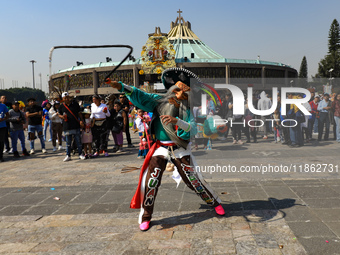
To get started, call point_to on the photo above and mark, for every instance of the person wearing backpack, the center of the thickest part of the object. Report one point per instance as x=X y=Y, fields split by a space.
x=119 y=124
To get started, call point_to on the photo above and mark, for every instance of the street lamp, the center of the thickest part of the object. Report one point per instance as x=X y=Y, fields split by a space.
x=330 y=75
x=33 y=61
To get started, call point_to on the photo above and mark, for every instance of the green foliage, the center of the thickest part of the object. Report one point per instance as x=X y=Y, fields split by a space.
x=303 y=74
x=303 y=68
x=332 y=59
x=22 y=94
x=334 y=37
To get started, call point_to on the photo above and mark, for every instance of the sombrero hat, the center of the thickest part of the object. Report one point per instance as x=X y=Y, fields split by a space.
x=171 y=76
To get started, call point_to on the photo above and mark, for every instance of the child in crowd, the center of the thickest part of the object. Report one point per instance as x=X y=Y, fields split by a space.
x=142 y=127
x=47 y=123
x=277 y=126
x=120 y=120
x=86 y=137
x=57 y=126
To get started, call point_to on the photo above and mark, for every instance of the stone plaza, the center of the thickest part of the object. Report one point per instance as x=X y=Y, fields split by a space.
x=48 y=206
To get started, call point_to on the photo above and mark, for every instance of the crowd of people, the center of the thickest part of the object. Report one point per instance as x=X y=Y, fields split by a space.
x=86 y=130
x=324 y=112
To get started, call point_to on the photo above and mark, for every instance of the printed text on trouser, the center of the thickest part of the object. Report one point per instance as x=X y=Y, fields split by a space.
x=152 y=184
x=194 y=180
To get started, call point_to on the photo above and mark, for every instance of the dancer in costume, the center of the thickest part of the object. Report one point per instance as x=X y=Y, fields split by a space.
x=170 y=112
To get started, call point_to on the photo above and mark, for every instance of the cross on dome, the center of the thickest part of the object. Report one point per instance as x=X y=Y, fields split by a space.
x=179 y=13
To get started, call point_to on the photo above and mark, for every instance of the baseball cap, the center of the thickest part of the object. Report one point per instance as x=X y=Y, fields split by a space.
x=65 y=94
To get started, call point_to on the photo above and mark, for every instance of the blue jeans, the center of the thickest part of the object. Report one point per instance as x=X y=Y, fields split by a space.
x=324 y=121
x=311 y=122
x=337 y=121
x=316 y=125
x=36 y=128
x=296 y=135
x=48 y=123
x=76 y=134
x=14 y=137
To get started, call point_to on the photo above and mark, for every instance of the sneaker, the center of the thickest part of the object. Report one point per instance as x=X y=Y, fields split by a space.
x=240 y=142
x=120 y=150
x=11 y=151
x=67 y=158
x=131 y=146
x=50 y=140
x=234 y=142
x=144 y=226
x=219 y=210
x=60 y=148
x=32 y=151
x=106 y=154
x=265 y=137
x=140 y=157
x=16 y=154
x=25 y=153
x=82 y=157
x=44 y=150
x=95 y=155
x=54 y=149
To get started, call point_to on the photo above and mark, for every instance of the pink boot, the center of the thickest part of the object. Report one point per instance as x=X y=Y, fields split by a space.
x=219 y=210
x=144 y=226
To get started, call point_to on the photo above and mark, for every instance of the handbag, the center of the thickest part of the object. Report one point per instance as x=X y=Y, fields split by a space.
x=99 y=123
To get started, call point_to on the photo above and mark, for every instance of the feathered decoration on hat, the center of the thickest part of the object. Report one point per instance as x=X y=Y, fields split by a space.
x=172 y=75
x=21 y=104
x=44 y=103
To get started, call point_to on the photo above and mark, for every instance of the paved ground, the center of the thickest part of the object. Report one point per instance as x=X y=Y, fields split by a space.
x=270 y=213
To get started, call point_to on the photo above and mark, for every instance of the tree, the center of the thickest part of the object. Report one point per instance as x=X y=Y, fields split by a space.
x=22 y=94
x=332 y=59
x=303 y=68
x=303 y=74
x=334 y=37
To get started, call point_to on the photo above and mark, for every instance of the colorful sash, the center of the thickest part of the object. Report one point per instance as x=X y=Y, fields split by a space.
x=136 y=200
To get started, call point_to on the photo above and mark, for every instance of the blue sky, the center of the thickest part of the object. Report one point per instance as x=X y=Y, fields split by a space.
x=279 y=31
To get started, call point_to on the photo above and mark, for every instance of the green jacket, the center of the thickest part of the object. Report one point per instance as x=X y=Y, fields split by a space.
x=148 y=102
